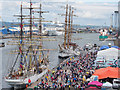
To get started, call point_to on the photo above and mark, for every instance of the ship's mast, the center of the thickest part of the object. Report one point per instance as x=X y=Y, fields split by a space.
x=20 y=47
x=30 y=47
x=30 y=50
x=68 y=41
x=31 y=19
x=65 y=36
x=40 y=25
x=21 y=32
x=30 y=61
x=40 y=28
x=71 y=25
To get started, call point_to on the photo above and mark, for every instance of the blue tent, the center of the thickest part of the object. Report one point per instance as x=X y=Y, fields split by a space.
x=115 y=47
x=10 y=30
x=4 y=31
x=104 y=47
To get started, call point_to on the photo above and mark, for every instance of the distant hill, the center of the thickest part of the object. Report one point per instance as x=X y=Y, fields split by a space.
x=11 y=24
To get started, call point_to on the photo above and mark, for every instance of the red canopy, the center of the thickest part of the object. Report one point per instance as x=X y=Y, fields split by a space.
x=107 y=72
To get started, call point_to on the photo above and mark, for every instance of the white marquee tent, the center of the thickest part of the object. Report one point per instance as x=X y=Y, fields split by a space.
x=111 y=53
x=107 y=84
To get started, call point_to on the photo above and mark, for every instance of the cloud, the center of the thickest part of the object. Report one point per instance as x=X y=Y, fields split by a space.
x=80 y=2
x=85 y=9
x=95 y=11
x=92 y=15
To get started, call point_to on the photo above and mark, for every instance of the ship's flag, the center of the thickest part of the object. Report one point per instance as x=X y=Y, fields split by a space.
x=21 y=66
x=21 y=63
x=29 y=81
x=26 y=57
x=21 y=26
x=20 y=49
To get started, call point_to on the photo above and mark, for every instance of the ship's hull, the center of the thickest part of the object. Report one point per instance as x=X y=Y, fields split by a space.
x=64 y=55
x=102 y=38
x=21 y=83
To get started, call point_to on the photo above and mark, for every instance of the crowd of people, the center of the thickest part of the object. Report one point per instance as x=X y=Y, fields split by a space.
x=72 y=72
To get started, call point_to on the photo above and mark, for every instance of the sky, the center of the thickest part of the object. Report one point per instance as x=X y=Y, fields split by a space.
x=89 y=12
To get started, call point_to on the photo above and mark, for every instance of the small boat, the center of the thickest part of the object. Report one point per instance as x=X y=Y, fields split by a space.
x=103 y=35
x=107 y=35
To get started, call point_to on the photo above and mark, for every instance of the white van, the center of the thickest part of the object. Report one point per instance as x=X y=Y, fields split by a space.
x=116 y=83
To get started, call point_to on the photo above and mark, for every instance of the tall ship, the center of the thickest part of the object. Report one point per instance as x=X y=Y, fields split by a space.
x=68 y=48
x=31 y=61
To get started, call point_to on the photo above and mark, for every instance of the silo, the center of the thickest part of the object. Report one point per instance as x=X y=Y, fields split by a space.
x=117 y=42
x=119 y=18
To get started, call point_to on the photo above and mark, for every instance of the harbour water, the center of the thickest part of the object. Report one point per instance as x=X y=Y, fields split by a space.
x=81 y=39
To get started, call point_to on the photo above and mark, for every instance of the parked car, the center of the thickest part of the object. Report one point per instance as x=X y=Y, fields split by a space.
x=116 y=83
